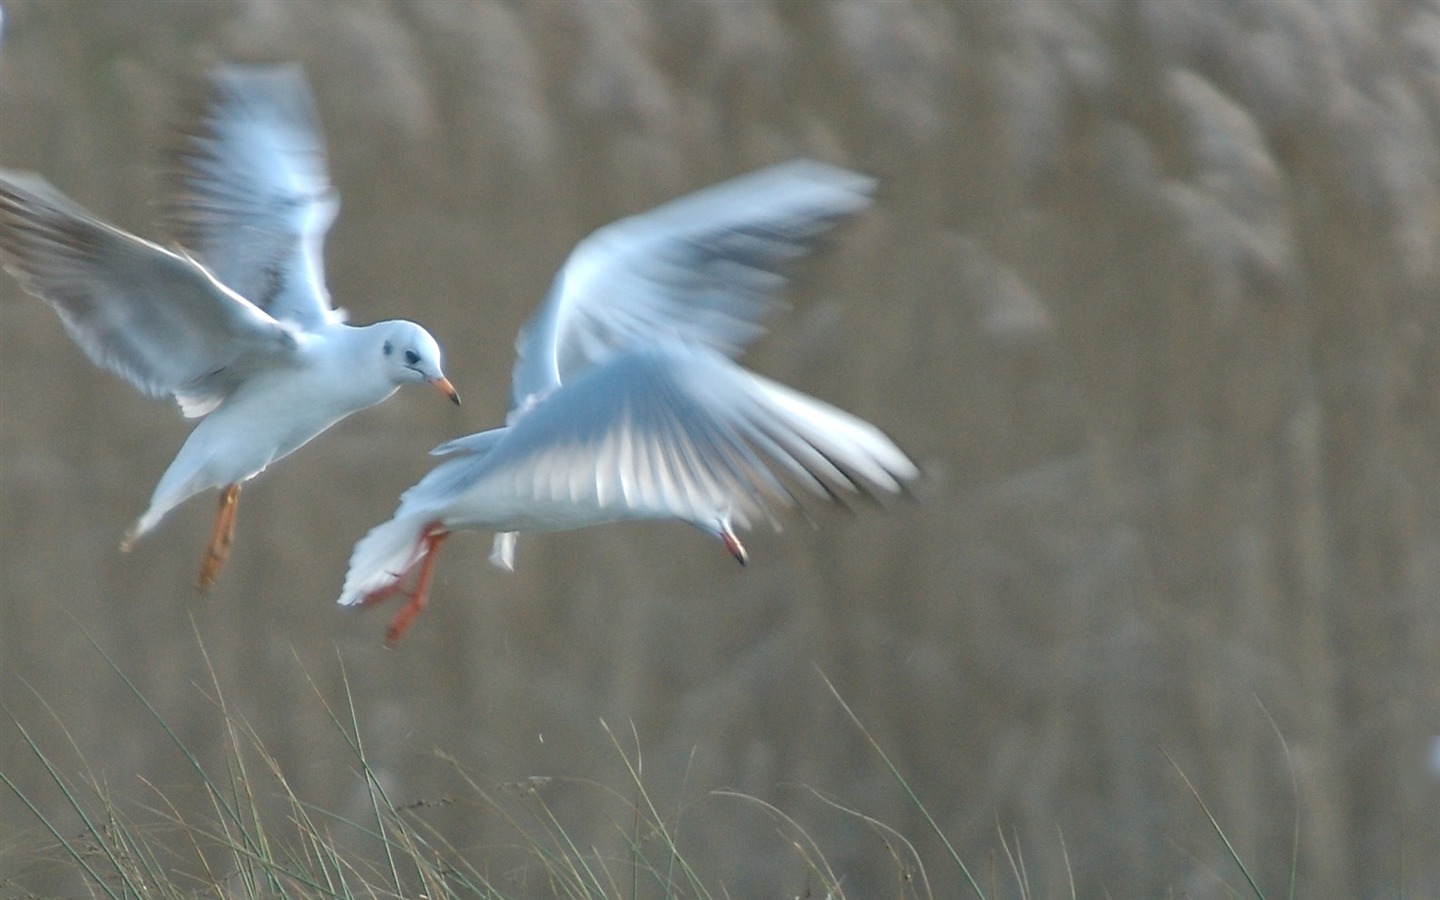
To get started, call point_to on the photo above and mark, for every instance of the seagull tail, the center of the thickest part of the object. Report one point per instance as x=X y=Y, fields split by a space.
x=382 y=558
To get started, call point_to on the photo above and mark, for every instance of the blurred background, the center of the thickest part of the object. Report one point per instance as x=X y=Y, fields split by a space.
x=1150 y=294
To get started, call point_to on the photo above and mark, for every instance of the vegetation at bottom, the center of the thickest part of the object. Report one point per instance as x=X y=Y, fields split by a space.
x=260 y=838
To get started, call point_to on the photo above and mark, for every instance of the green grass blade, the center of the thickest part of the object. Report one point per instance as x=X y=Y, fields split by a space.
x=63 y=841
x=1229 y=848
x=1294 y=796
x=888 y=830
x=905 y=786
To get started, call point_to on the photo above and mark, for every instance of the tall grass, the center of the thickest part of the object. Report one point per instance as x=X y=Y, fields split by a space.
x=1230 y=851
x=258 y=837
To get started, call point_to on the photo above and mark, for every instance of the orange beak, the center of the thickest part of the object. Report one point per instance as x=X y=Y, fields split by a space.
x=446 y=388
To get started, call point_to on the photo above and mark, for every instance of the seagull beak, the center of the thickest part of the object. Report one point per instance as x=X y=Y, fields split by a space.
x=446 y=388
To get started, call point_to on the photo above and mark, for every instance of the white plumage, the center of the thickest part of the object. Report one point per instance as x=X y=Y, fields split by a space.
x=626 y=402
x=237 y=326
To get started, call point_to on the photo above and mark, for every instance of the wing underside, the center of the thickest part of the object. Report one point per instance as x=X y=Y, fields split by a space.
x=707 y=269
x=154 y=317
x=251 y=194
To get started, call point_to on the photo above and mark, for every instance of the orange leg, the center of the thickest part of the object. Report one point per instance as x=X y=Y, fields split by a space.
x=380 y=595
x=221 y=537
x=419 y=597
x=397 y=583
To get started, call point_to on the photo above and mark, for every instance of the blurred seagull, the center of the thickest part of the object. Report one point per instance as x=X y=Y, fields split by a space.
x=625 y=401
x=238 y=327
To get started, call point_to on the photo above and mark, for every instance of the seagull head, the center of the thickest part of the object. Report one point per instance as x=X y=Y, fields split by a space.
x=412 y=355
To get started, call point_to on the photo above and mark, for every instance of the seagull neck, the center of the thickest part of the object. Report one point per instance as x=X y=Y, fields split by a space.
x=353 y=357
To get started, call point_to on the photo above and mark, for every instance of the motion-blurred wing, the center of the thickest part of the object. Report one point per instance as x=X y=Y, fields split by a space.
x=673 y=432
x=706 y=269
x=252 y=198
x=156 y=318
x=474 y=444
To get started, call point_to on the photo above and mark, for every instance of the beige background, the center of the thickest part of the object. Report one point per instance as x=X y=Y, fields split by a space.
x=1150 y=294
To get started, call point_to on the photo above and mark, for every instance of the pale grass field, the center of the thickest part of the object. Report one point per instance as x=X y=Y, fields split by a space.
x=261 y=838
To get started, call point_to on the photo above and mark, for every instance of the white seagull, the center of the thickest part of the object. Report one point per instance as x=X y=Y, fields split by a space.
x=236 y=322
x=626 y=403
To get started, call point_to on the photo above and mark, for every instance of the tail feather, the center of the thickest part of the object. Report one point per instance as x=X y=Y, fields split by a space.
x=382 y=558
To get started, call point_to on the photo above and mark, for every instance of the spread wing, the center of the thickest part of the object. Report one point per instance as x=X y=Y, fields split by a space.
x=680 y=432
x=706 y=269
x=251 y=196
x=154 y=317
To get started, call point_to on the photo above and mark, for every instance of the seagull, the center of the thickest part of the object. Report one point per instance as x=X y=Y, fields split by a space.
x=626 y=402
x=234 y=321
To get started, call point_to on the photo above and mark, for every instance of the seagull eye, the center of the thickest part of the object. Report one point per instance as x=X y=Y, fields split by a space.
x=411 y=357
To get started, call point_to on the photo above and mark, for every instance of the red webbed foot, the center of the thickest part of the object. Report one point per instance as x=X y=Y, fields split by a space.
x=417 y=598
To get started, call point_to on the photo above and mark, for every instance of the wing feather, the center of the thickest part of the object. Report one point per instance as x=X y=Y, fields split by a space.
x=682 y=432
x=251 y=194
x=706 y=269
x=157 y=318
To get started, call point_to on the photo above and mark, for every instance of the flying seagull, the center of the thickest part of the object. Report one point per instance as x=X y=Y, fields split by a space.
x=235 y=321
x=626 y=402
